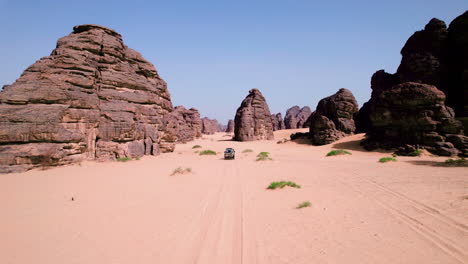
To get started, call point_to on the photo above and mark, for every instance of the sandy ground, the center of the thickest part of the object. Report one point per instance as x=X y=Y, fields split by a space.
x=363 y=211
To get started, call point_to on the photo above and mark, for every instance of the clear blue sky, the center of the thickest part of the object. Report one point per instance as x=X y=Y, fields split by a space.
x=212 y=52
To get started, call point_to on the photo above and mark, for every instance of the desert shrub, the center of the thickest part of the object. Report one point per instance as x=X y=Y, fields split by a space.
x=123 y=159
x=181 y=170
x=208 y=152
x=247 y=151
x=456 y=162
x=263 y=156
x=415 y=153
x=338 y=152
x=282 y=184
x=303 y=204
x=196 y=146
x=387 y=159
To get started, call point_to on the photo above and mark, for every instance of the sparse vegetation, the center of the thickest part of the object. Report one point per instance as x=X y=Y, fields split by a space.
x=196 y=146
x=181 y=170
x=462 y=162
x=123 y=159
x=415 y=153
x=387 y=159
x=263 y=156
x=338 y=152
x=247 y=151
x=303 y=204
x=208 y=152
x=282 y=184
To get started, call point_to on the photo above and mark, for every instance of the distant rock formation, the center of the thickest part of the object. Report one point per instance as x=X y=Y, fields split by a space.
x=182 y=125
x=277 y=121
x=209 y=126
x=414 y=114
x=230 y=126
x=92 y=98
x=437 y=56
x=222 y=127
x=253 y=119
x=433 y=58
x=333 y=118
x=296 y=117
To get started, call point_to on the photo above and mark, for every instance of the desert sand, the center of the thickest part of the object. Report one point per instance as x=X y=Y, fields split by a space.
x=362 y=211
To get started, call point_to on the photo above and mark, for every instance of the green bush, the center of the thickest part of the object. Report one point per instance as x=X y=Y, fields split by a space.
x=303 y=204
x=208 y=152
x=196 y=146
x=263 y=156
x=282 y=184
x=387 y=159
x=338 y=152
x=415 y=153
x=456 y=162
x=123 y=159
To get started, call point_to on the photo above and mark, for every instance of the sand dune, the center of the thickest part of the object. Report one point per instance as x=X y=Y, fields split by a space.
x=363 y=211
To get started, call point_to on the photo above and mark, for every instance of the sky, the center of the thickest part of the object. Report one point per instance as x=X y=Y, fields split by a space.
x=211 y=53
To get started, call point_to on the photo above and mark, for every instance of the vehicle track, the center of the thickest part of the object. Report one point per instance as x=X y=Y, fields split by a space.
x=422 y=219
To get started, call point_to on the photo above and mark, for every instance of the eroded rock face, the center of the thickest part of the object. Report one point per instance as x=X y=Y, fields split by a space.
x=435 y=56
x=296 y=117
x=230 y=126
x=277 y=121
x=92 y=98
x=253 y=119
x=414 y=114
x=182 y=125
x=333 y=118
x=457 y=94
x=209 y=126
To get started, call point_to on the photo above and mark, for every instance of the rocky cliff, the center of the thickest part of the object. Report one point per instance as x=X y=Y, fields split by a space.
x=92 y=98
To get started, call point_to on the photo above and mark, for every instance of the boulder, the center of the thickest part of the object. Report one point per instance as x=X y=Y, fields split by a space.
x=253 y=119
x=182 y=125
x=333 y=118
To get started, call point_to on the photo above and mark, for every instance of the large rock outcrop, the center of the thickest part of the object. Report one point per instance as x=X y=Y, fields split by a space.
x=277 y=121
x=436 y=56
x=414 y=114
x=92 y=98
x=296 y=117
x=457 y=60
x=253 y=119
x=209 y=126
x=182 y=125
x=230 y=126
x=333 y=118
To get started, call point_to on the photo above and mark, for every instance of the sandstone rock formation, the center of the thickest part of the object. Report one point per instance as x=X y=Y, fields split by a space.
x=222 y=127
x=414 y=114
x=92 y=98
x=209 y=126
x=296 y=117
x=182 y=125
x=458 y=67
x=333 y=118
x=230 y=126
x=435 y=56
x=253 y=119
x=277 y=121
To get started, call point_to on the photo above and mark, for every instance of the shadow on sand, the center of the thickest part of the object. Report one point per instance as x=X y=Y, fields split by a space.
x=356 y=146
x=435 y=163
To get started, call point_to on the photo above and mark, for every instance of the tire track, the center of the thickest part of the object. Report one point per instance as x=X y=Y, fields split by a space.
x=378 y=193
